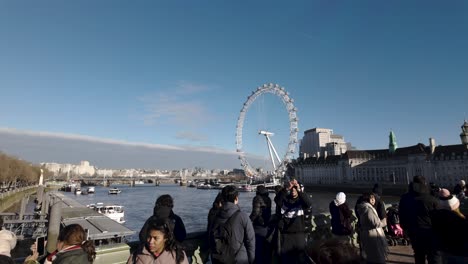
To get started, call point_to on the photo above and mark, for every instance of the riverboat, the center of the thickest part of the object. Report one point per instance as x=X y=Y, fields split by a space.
x=77 y=190
x=113 y=211
x=204 y=186
x=91 y=190
x=114 y=191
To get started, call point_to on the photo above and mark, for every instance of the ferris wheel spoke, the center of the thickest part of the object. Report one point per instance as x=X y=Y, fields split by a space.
x=279 y=91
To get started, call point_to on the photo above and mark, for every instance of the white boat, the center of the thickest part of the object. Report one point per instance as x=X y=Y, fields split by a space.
x=245 y=188
x=114 y=191
x=139 y=182
x=113 y=211
x=90 y=189
x=204 y=186
x=77 y=190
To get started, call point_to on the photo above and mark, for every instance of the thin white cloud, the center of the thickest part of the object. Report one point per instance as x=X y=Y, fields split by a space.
x=178 y=106
x=110 y=153
x=111 y=141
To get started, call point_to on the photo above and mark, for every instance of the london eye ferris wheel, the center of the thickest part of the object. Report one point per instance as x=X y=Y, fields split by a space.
x=279 y=163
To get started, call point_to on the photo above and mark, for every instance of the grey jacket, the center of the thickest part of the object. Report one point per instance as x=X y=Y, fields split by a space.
x=243 y=236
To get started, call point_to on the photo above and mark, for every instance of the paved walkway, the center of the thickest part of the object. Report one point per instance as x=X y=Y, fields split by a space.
x=400 y=254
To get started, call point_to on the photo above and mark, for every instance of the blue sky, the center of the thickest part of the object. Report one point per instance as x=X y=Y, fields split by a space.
x=178 y=72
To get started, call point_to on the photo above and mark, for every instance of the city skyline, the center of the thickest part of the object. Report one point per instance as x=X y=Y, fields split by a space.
x=119 y=77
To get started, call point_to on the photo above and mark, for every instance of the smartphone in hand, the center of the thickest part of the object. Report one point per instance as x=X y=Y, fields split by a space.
x=40 y=245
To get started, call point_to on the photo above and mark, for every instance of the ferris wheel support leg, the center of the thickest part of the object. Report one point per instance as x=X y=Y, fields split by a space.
x=274 y=150
x=271 y=153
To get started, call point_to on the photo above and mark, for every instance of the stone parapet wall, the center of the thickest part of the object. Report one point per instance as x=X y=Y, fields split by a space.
x=10 y=198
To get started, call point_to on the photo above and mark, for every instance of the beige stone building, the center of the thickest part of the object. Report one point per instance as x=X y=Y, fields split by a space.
x=443 y=165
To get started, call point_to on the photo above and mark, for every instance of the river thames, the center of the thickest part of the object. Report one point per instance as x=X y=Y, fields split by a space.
x=191 y=204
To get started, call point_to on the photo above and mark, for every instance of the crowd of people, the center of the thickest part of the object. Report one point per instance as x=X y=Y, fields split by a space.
x=429 y=216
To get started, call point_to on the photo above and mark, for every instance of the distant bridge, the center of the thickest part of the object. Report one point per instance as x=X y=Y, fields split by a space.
x=131 y=180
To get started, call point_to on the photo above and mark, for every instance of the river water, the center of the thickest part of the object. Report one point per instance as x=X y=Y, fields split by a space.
x=191 y=204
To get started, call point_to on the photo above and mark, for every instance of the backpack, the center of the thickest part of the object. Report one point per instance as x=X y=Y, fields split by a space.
x=221 y=237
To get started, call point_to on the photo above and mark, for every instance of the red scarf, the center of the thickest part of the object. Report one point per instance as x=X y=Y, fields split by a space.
x=52 y=256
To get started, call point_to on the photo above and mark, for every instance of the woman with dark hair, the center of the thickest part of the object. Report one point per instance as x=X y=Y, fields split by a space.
x=160 y=247
x=217 y=206
x=372 y=238
x=162 y=210
x=72 y=247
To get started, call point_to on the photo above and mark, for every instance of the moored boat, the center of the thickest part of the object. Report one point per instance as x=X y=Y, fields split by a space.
x=113 y=211
x=91 y=189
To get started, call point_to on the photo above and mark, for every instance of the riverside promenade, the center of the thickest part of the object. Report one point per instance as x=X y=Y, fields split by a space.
x=400 y=254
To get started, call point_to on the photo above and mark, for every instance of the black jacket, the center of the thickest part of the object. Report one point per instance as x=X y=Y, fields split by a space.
x=452 y=231
x=293 y=213
x=341 y=219
x=415 y=208
x=165 y=212
x=261 y=211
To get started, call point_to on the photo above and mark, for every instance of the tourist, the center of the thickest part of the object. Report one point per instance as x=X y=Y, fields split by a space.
x=214 y=210
x=72 y=247
x=163 y=209
x=292 y=226
x=7 y=244
x=333 y=251
x=451 y=228
x=460 y=189
x=260 y=217
x=240 y=242
x=379 y=204
x=415 y=209
x=372 y=237
x=341 y=218
x=159 y=246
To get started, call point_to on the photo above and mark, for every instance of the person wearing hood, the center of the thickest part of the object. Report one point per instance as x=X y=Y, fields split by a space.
x=451 y=228
x=415 y=208
x=260 y=217
x=372 y=237
x=341 y=217
x=163 y=209
x=242 y=238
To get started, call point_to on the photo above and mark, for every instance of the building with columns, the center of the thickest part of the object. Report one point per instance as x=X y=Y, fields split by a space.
x=443 y=165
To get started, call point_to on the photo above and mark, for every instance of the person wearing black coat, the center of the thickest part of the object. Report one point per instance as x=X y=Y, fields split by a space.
x=292 y=225
x=416 y=207
x=260 y=217
x=163 y=209
x=379 y=203
x=341 y=217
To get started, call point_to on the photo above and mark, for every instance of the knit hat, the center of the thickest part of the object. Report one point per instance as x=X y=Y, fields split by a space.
x=448 y=201
x=340 y=199
x=444 y=193
x=7 y=242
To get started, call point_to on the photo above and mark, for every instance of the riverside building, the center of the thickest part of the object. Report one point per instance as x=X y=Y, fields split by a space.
x=443 y=165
